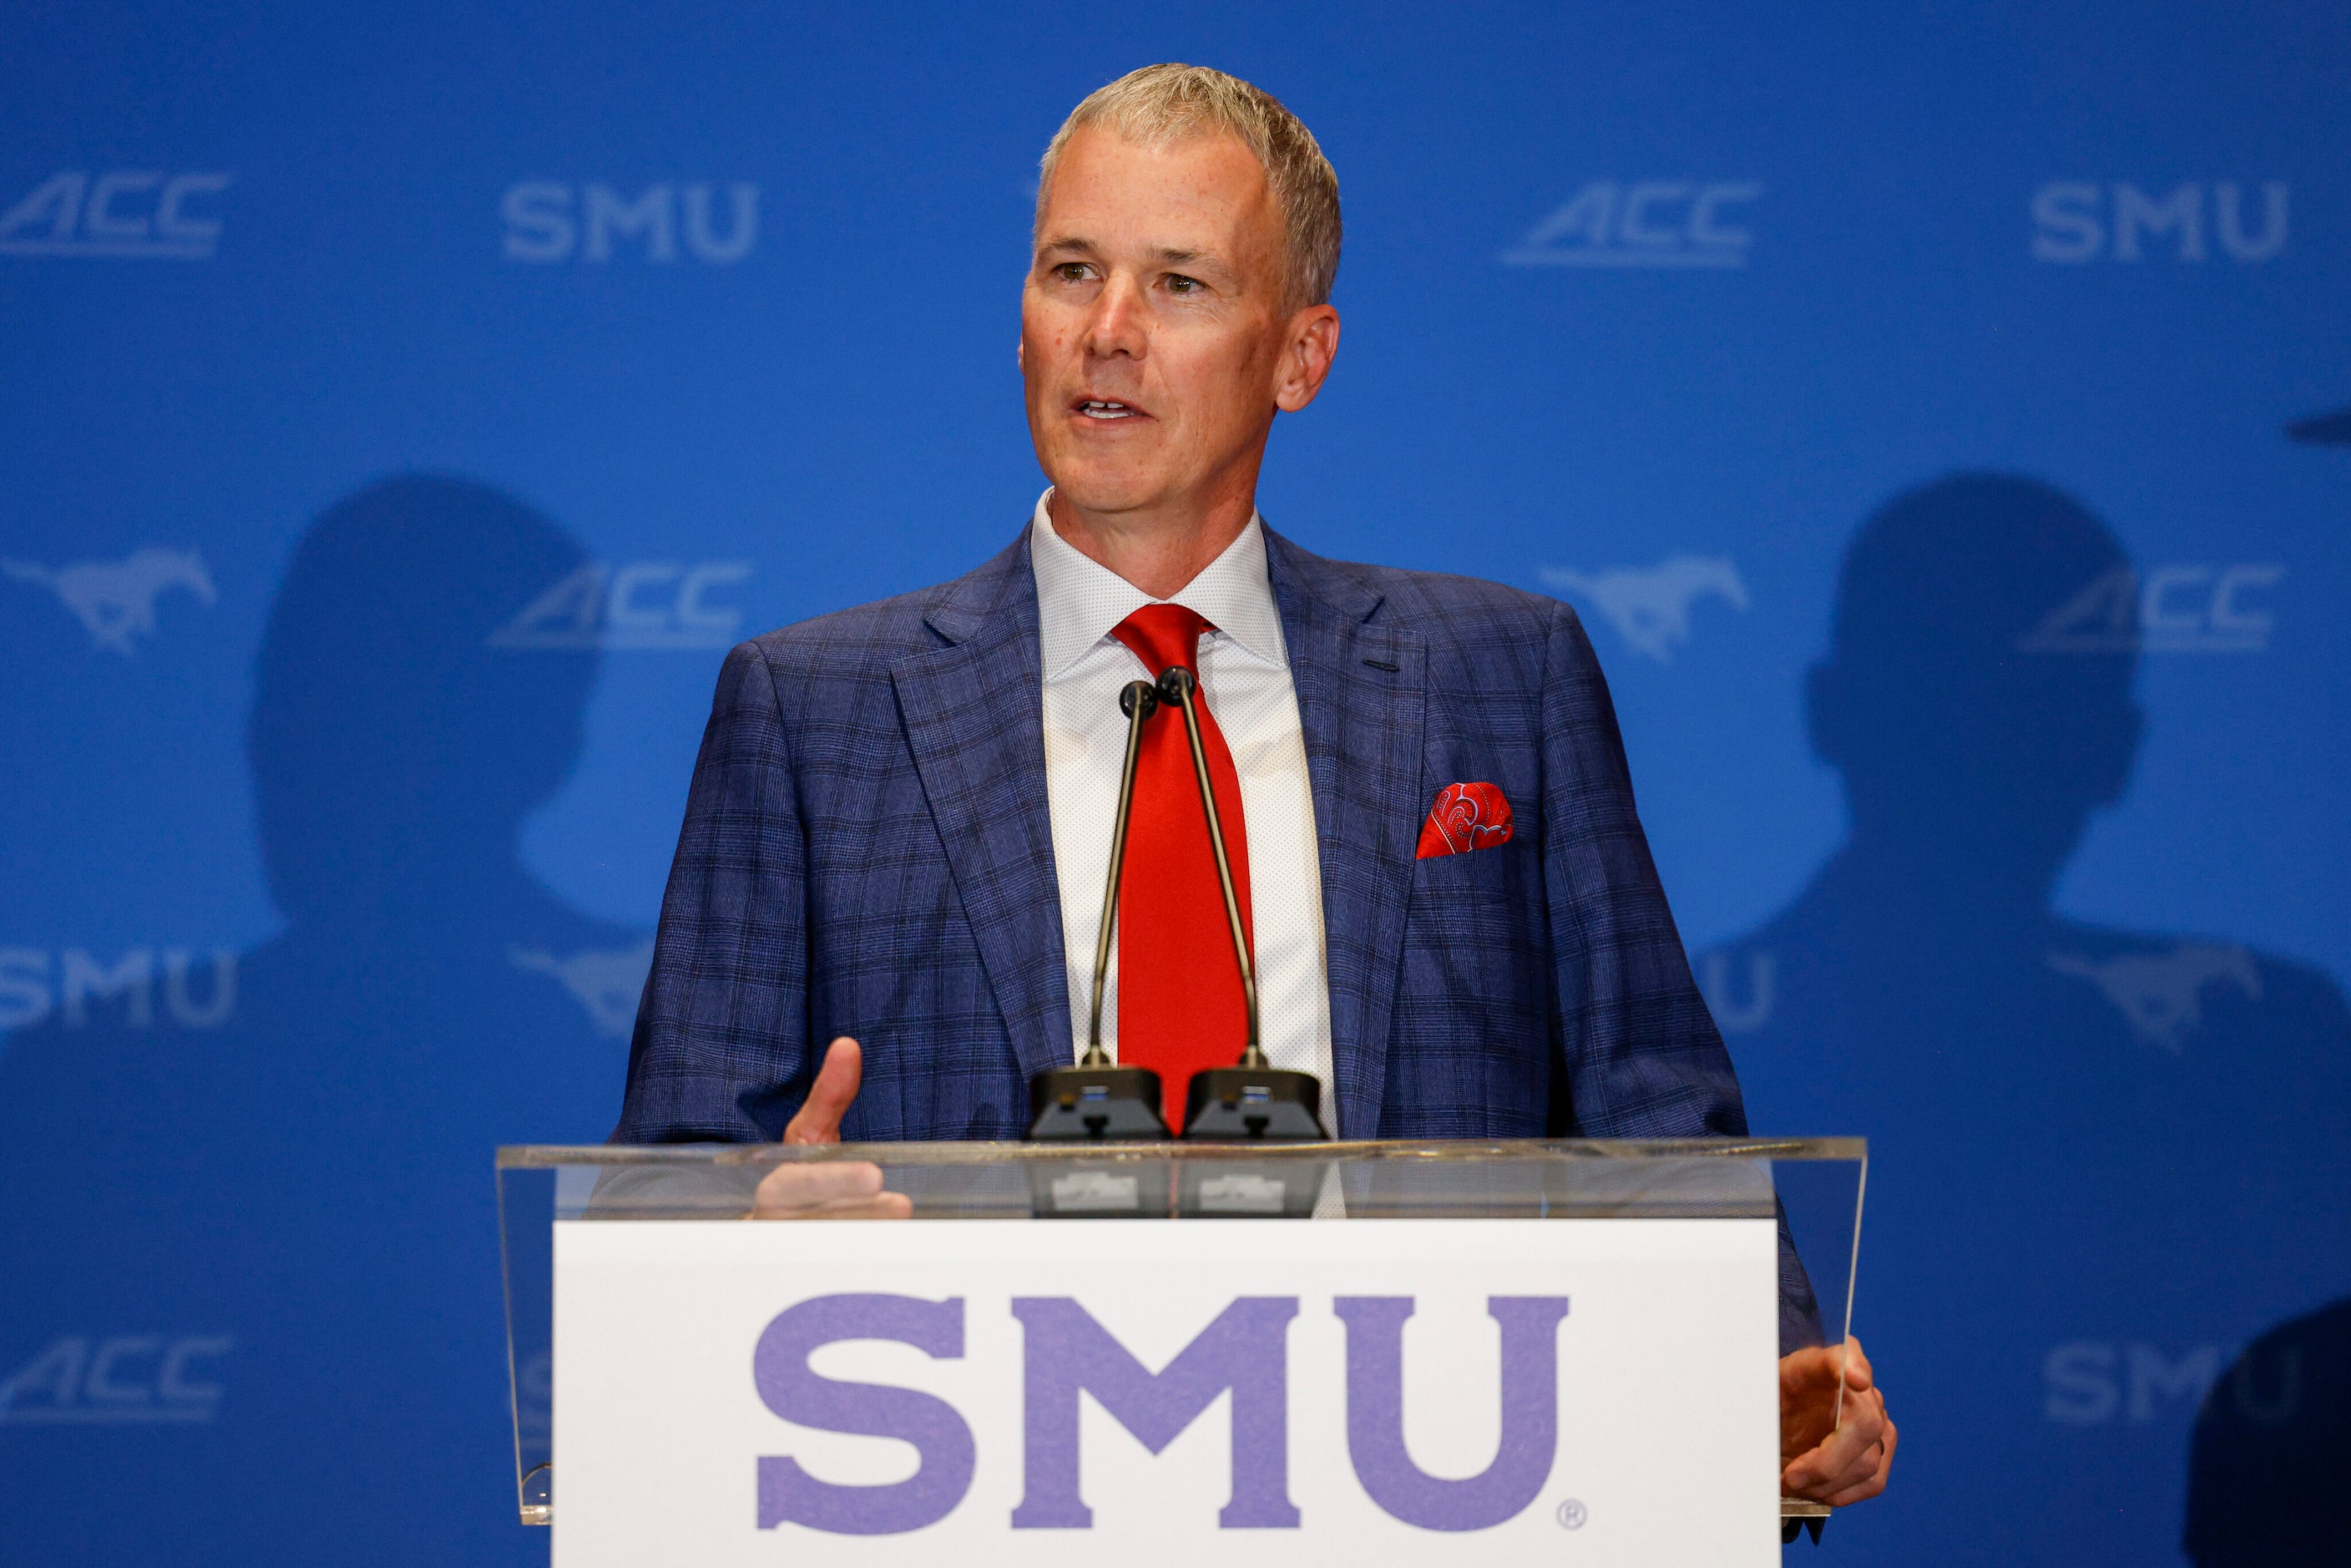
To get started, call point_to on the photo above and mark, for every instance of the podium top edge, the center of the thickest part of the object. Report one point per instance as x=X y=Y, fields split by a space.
x=1462 y=1151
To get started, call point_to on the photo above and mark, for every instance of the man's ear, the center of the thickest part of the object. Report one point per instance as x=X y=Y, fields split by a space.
x=1309 y=345
x=1021 y=355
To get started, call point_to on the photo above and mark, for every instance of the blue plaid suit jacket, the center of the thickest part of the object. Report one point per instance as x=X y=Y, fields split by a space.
x=867 y=850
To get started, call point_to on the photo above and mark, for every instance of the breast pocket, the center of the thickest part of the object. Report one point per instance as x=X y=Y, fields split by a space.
x=1474 y=954
x=1481 y=893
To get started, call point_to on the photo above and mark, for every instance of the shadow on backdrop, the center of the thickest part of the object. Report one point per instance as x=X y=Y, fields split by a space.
x=2270 y=1464
x=2323 y=429
x=2100 y=1159
x=255 y=1310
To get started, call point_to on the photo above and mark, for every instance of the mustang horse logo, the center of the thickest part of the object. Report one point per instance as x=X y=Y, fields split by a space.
x=606 y=981
x=1650 y=606
x=116 y=598
x=2162 y=994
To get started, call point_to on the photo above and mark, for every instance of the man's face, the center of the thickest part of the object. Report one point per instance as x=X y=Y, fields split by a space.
x=1155 y=344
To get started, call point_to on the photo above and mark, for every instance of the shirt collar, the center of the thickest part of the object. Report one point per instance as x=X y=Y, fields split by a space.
x=1079 y=600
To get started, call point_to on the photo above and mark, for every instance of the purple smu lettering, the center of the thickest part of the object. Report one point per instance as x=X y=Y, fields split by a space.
x=1529 y=1440
x=1246 y=1349
x=788 y=1494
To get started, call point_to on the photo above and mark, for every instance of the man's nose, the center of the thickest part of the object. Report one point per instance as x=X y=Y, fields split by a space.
x=1120 y=324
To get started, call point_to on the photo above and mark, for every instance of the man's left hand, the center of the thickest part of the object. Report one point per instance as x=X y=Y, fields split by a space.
x=1828 y=1454
x=826 y=1190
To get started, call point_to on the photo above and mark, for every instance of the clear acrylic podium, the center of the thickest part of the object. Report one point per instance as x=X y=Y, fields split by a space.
x=1815 y=1186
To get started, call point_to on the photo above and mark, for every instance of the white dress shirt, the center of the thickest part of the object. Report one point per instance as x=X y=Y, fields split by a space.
x=1245 y=675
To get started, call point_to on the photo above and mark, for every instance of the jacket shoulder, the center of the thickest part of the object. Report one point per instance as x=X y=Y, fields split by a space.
x=841 y=639
x=1434 y=603
x=1434 y=600
x=866 y=638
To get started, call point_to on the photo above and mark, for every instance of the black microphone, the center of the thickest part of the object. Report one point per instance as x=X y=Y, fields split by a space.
x=1098 y=1100
x=1254 y=1101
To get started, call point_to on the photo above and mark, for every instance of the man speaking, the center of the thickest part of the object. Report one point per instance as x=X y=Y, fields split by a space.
x=902 y=813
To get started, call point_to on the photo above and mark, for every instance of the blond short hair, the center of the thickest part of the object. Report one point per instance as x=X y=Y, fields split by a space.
x=1165 y=103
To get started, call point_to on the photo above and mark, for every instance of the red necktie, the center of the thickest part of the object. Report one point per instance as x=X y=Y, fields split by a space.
x=1179 y=986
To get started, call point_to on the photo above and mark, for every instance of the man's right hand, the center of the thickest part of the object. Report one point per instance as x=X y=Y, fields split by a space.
x=826 y=1190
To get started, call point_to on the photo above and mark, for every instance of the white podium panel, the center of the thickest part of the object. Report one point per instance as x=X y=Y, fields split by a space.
x=1133 y=1392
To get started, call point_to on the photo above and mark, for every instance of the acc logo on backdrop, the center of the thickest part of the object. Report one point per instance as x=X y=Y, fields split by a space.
x=122 y=212
x=115 y=599
x=117 y=1380
x=1650 y=606
x=2177 y=609
x=2073 y=220
x=1644 y=223
x=645 y=604
x=606 y=981
x=548 y=221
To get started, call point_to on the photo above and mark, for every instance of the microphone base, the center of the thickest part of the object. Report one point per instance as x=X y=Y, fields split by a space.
x=1253 y=1105
x=1246 y=1188
x=1095 y=1105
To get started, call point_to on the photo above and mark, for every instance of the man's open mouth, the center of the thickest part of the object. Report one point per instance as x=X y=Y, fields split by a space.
x=1108 y=408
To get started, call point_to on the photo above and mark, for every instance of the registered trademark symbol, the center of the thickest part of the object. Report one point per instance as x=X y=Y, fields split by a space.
x=1572 y=1514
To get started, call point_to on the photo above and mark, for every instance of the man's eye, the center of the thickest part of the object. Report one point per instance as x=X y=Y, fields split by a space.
x=1070 y=272
x=1179 y=284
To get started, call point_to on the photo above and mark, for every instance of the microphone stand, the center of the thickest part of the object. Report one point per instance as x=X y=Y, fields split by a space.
x=1254 y=1101
x=1097 y=1100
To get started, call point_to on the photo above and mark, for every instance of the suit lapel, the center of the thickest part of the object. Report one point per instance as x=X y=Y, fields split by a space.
x=974 y=711
x=1362 y=693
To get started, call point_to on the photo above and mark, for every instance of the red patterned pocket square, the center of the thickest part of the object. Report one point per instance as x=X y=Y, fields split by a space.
x=1465 y=817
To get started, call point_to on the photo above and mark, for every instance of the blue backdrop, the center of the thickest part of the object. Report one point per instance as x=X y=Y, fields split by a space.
x=1939 y=413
